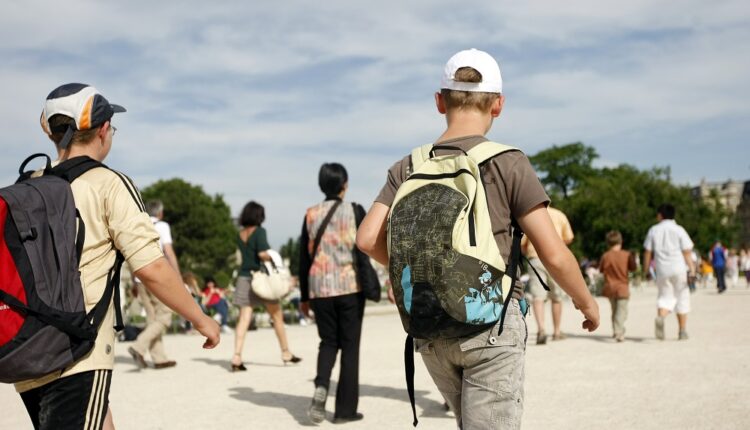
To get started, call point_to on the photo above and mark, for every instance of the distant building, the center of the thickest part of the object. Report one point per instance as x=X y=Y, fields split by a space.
x=733 y=196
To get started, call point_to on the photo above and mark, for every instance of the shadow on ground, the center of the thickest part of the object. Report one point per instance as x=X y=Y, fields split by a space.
x=297 y=406
x=227 y=364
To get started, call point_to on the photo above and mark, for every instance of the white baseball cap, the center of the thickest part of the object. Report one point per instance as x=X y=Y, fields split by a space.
x=478 y=60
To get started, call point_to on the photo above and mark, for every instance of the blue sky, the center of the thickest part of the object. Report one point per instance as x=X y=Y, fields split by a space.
x=247 y=99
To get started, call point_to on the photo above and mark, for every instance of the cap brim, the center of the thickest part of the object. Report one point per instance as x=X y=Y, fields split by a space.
x=117 y=108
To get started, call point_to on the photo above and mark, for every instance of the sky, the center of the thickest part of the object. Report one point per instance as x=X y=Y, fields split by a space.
x=248 y=99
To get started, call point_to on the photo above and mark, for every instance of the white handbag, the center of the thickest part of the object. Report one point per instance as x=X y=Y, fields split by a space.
x=269 y=283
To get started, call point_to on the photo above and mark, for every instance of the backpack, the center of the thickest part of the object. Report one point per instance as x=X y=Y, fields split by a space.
x=44 y=326
x=448 y=276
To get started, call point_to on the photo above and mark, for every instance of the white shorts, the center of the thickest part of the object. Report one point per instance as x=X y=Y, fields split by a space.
x=674 y=294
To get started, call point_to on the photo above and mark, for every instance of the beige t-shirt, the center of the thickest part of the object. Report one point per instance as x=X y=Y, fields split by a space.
x=562 y=226
x=510 y=182
x=115 y=218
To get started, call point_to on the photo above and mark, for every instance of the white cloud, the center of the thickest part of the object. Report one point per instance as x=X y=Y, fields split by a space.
x=249 y=98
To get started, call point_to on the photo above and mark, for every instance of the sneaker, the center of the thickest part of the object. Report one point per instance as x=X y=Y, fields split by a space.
x=541 y=338
x=683 y=335
x=659 y=328
x=317 y=410
x=226 y=329
x=620 y=337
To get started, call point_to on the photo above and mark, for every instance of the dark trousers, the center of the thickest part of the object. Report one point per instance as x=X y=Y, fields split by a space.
x=719 y=273
x=339 y=322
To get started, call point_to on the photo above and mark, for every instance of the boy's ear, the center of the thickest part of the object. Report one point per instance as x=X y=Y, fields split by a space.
x=103 y=130
x=440 y=103
x=497 y=106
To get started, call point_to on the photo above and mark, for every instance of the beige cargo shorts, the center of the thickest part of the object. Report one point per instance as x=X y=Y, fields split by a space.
x=481 y=376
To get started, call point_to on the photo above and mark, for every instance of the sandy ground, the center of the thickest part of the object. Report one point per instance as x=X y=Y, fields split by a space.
x=585 y=382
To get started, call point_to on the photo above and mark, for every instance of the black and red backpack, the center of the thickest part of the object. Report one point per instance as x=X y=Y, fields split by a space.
x=44 y=326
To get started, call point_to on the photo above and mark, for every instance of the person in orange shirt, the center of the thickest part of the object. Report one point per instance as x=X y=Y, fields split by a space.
x=536 y=290
x=615 y=265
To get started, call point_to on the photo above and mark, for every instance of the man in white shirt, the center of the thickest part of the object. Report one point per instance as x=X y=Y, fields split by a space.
x=671 y=248
x=158 y=316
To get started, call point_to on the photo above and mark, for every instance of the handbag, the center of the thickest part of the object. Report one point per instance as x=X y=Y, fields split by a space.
x=367 y=277
x=268 y=283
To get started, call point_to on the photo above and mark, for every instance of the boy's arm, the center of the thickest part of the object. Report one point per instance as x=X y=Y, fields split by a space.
x=560 y=262
x=161 y=279
x=371 y=236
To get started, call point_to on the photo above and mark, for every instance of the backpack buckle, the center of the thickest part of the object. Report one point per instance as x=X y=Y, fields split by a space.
x=28 y=235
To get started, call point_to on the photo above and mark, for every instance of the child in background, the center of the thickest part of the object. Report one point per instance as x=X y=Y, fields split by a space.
x=615 y=265
x=213 y=298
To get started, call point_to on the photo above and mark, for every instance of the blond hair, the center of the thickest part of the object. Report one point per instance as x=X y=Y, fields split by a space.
x=455 y=99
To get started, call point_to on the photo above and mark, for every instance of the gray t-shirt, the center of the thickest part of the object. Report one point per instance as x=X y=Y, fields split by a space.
x=510 y=182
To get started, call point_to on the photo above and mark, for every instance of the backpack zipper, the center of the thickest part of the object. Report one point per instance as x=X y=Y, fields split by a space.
x=438 y=176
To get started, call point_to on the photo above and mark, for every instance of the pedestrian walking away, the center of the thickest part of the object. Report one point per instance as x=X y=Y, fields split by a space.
x=253 y=246
x=158 y=315
x=455 y=211
x=615 y=265
x=78 y=119
x=670 y=247
x=328 y=285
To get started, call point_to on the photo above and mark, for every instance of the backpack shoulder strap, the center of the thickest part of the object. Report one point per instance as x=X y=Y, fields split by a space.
x=487 y=150
x=419 y=155
x=71 y=169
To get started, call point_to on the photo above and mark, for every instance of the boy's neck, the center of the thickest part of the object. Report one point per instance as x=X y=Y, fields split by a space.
x=462 y=123
x=616 y=247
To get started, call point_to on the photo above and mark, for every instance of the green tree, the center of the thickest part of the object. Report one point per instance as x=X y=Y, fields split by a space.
x=202 y=227
x=565 y=166
x=626 y=199
x=291 y=251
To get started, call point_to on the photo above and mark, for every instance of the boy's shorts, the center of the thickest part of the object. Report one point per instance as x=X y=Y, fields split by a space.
x=674 y=294
x=536 y=290
x=77 y=401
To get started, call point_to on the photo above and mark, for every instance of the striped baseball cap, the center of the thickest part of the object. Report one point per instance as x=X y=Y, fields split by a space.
x=83 y=103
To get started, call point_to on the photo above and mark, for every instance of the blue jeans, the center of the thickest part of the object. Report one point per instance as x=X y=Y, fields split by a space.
x=222 y=308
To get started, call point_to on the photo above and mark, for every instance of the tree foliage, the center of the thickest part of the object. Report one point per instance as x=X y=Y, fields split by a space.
x=625 y=198
x=202 y=228
x=565 y=166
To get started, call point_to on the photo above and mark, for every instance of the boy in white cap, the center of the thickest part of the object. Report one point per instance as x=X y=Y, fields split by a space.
x=481 y=375
x=77 y=118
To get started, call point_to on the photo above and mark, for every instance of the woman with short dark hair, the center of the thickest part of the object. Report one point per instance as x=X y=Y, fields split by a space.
x=253 y=246
x=328 y=285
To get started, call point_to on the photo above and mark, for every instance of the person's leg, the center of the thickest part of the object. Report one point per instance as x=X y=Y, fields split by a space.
x=538 y=307
x=556 y=319
x=222 y=308
x=277 y=316
x=145 y=338
x=682 y=307
x=162 y=321
x=538 y=296
x=243 y=322
x=613 y=306
x=75 y=402
x=665 y=303
x=720 y=281
x=351 y=309
x=442 y=359
x=326 y=321
x=621 y=314
x=493 y=375
x=109 y=422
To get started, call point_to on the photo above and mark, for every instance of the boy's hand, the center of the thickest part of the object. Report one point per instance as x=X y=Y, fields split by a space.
x=591 y=313
x=391 y=297
x=304 y=307
x=209 y=328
